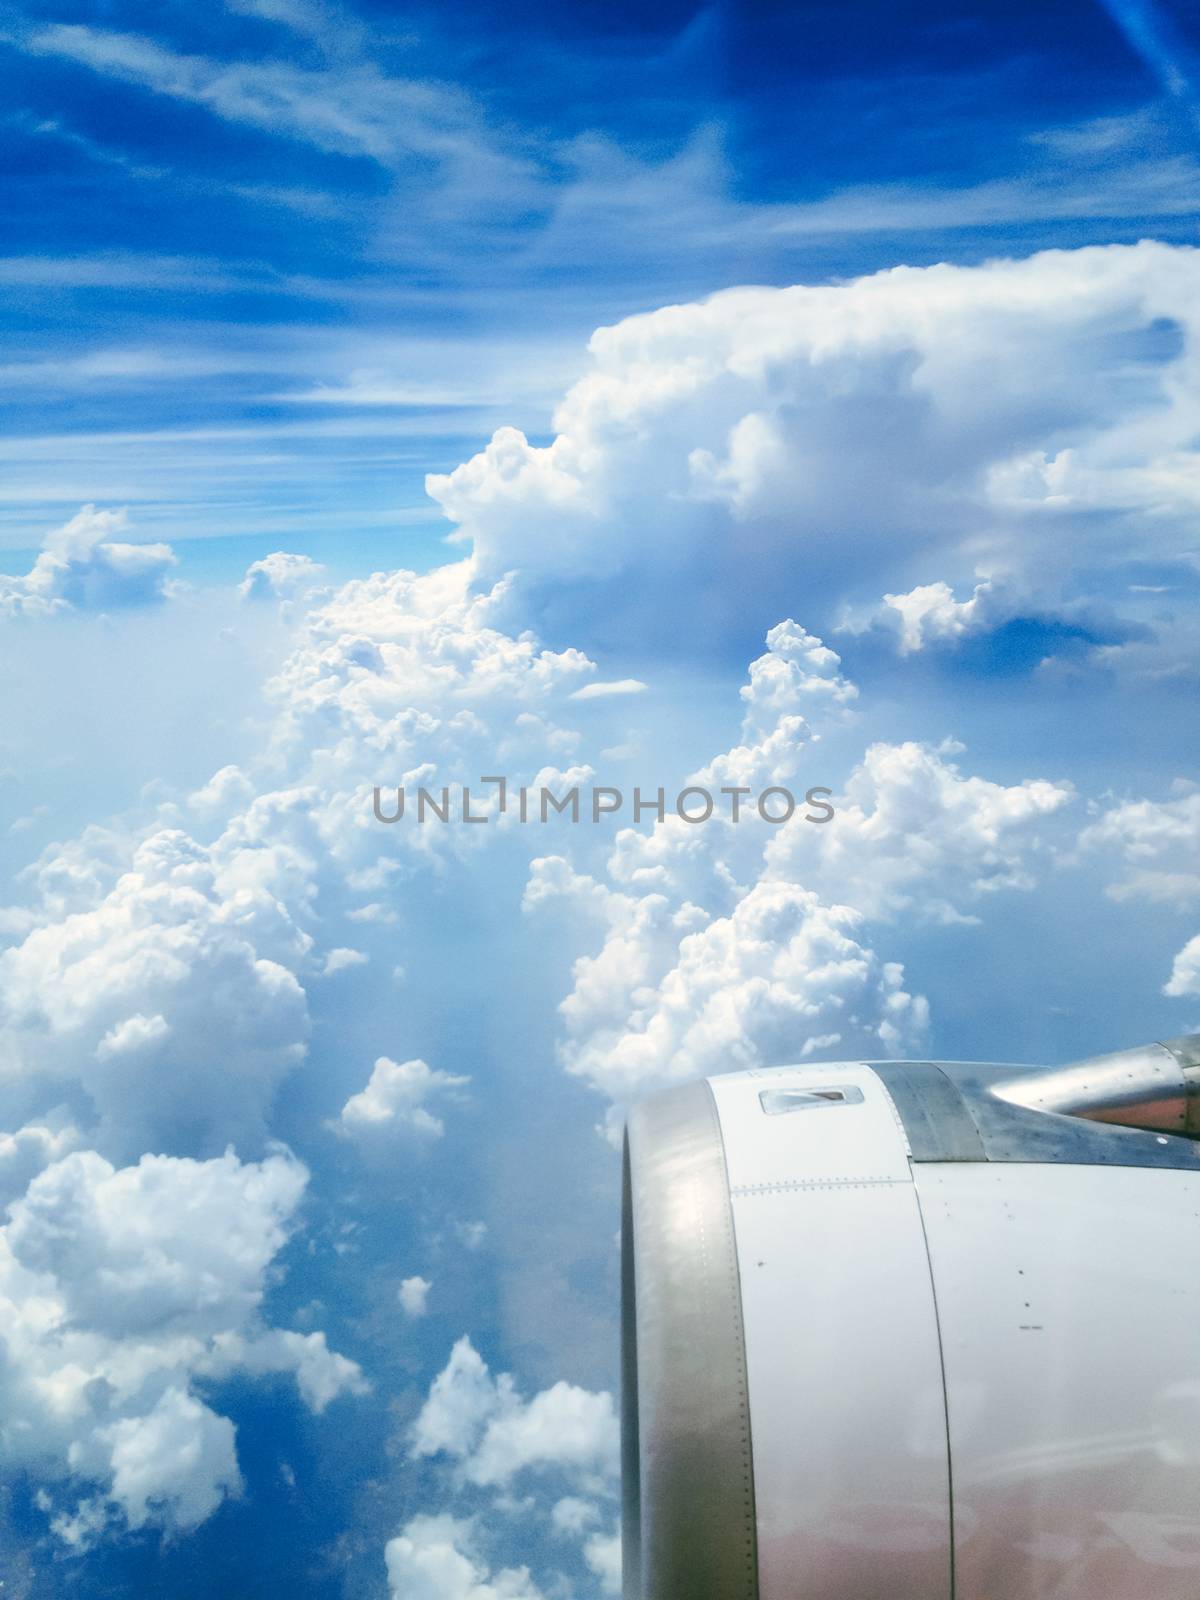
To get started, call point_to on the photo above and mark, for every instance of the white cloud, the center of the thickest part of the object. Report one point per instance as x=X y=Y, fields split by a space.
x=413 y=1295
x=394 y=1100
x=165 y=995
x=495 y=1435
x=965 y=415
x=81 y=566
x=930 y=612
x=433 y=1558
x=746 y=944
x=174 y=1465
x=321 y=1374
x=460 y=1400
x=606 y=691
x=36 y=1145
x=347 y=108
x=708 y=963
x=798 y=672
x=1185 y=971
x=228 y=788
x=342 y=957
x=913 y=834
x=122 y=1287
x=602 y=1552
x=572 y=1516
x=407 y=681
x=675 y=993
x=132 y=1034
x=279 y=575
x=1157 y=841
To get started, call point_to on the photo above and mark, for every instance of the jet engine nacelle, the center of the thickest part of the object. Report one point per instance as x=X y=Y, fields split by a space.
x=915 y=1331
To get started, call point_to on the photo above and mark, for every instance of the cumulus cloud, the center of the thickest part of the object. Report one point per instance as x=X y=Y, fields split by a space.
x=602 y=1552
x=122 y=1287
x=743 y=943
x=81 y=566
x=970 y=417
x=407 y=681
x=1158 y=843
x=228 y=788
x=571 y=1516
x=1013 y=622
x=484 y=1424
x=342 y=957
x=1185 y=971
x=24 y=1153
x=434 y=1558
x=914 y=834
x=930 y=612
x=704 y=964
x=394 y=1101
x=279 y=576
x=676 y=993
x=413 y=1295
x=157 y=984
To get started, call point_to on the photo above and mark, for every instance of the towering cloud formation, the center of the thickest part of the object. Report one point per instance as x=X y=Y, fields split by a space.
x=902 y=429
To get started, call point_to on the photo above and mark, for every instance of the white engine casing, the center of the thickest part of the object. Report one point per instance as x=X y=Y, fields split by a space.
x=857 y=1374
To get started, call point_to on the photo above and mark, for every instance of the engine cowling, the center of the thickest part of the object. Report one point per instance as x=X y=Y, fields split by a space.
x=922 y=1331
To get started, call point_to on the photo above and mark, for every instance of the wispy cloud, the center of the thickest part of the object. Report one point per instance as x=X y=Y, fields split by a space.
x=1152 y=33
x=1165 y=187
x=350 y=110
x=117 y=270
x=333 y=30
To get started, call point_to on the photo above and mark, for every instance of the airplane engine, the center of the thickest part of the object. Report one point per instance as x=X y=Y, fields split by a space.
x=915 y=1331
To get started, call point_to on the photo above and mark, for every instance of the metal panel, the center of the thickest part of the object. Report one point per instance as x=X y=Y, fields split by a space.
x=1147 y=1087
x=993 y=1096
x=686 y=1425
x=851 y=1142
x=936 y=1119
x=1069 y=1314
x=842 y=1352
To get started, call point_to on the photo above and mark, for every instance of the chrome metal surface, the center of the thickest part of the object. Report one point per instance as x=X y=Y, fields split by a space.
x=690 y=1530
x=779 y=1102
x=935 y=1116
x=938 y=1101
x=1154 y=1086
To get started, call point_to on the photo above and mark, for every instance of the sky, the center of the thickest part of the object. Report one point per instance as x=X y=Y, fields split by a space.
x=743 y=398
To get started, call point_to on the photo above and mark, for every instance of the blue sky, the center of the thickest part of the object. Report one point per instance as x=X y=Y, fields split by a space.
x=747 y=395
x=268 y=264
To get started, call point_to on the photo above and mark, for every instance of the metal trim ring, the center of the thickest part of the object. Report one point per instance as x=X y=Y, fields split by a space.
x=689 y=1517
